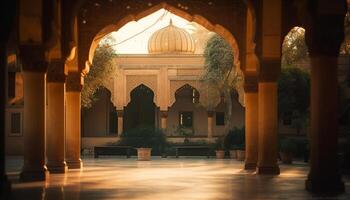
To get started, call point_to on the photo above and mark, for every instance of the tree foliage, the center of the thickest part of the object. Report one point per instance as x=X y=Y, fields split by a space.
x=102 y=70
x=294 y=49
x=345 y=48
x=220 y=77
x=294 y=96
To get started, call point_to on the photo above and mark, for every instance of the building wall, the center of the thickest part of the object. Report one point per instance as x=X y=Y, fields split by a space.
x=237 y=117
x=95 y=120
x=200 y=119
x=14 y=140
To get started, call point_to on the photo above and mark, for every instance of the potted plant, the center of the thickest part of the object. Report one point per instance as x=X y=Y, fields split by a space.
x=185 y=132
x=235 y=141
x=241 y=152
x=144 y=139
x=287 y=150
x=219 y=148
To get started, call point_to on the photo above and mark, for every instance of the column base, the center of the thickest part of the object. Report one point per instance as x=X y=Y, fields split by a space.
x=325 y=185
x=5 y=190
x=250 y=166
x=268 y=170
x=57 y=168
x=76 y=164
x=29 y=176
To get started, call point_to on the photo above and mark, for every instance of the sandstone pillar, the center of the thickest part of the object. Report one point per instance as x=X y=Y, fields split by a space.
x=5 y=185
x=324 y=35
x=324 y=174
x=267 y=117
x=267 y=128
x=120 y=122
x=34 y=82
x=73 y=117
x=210 y=123
x=55 y=129
x=251 y=122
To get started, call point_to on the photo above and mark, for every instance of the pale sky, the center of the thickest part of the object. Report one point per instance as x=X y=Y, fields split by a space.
x=138 y=44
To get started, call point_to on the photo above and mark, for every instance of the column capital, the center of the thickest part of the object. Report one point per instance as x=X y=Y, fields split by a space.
x=250 y=82
x=269 y=69
x=56 y=71
x=210 y=113
x=325 y=30
x=74 y=82
x=120 y=113
x=33 y=58
x=163 y=113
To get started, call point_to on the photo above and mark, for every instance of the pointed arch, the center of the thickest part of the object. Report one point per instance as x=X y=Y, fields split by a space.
x=217 y=28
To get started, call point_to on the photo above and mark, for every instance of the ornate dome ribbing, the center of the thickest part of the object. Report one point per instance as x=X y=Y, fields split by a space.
x=171 y=39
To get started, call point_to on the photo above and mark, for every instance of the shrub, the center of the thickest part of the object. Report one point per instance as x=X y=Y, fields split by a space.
x=235 y=139
x=219 y=144
x=146 y=137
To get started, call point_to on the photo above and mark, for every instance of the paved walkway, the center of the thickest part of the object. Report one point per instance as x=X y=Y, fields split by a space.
x=179 y=179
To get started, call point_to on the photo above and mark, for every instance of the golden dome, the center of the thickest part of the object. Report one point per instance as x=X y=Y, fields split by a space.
x=171 y=39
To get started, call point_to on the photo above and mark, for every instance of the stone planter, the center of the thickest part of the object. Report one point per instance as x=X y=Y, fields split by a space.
x=287 y=158
x=233 y=154
x=241 y=155
x=144 y=154
x=220 y=154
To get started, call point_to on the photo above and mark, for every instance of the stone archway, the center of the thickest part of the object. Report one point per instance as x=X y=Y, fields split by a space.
x=186 y=112
x=217 y=28
x=140 y=111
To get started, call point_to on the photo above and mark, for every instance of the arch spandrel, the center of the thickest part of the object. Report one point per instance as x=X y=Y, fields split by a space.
x=133 y=81
x=199 y=12
x=175 y=85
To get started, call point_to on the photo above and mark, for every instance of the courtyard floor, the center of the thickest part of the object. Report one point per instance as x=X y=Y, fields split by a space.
x=170 y=178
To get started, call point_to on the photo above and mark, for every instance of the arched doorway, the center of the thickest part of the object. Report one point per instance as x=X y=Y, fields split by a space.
x=187 y=113
x=100 y=120
x=140 y=112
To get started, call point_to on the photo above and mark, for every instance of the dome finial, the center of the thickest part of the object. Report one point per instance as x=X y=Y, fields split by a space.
x=170 y=22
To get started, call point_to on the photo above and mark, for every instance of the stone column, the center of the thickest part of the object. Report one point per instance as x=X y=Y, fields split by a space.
x=73 y=123
x=5 y=185
x=55 y=129
x=120 y=114
x=163 y=119
x=251 y=121
x=210 y=123
x=267 y=118
x=323 y=37
x=34 y=82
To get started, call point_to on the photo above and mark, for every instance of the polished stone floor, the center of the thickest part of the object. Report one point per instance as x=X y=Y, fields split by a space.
x=170 y=178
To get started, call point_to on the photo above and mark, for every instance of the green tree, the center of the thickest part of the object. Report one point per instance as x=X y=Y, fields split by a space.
x=294 y=96
x=102 y=70
x=294 y=49
x=220 y=76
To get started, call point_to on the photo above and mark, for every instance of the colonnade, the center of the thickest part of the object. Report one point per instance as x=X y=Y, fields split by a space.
x=51 y=116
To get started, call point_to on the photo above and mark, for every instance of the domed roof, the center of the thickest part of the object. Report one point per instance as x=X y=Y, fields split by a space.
x=171 y=39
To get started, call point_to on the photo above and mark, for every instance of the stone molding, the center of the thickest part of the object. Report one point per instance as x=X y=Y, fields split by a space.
x=210 y=113
x=269 y=69
x=120 y=113
x=74 y=82
x=324 y=25
x=56 y=71
x=33 y=58
x=163 y=113
x=251 y=82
